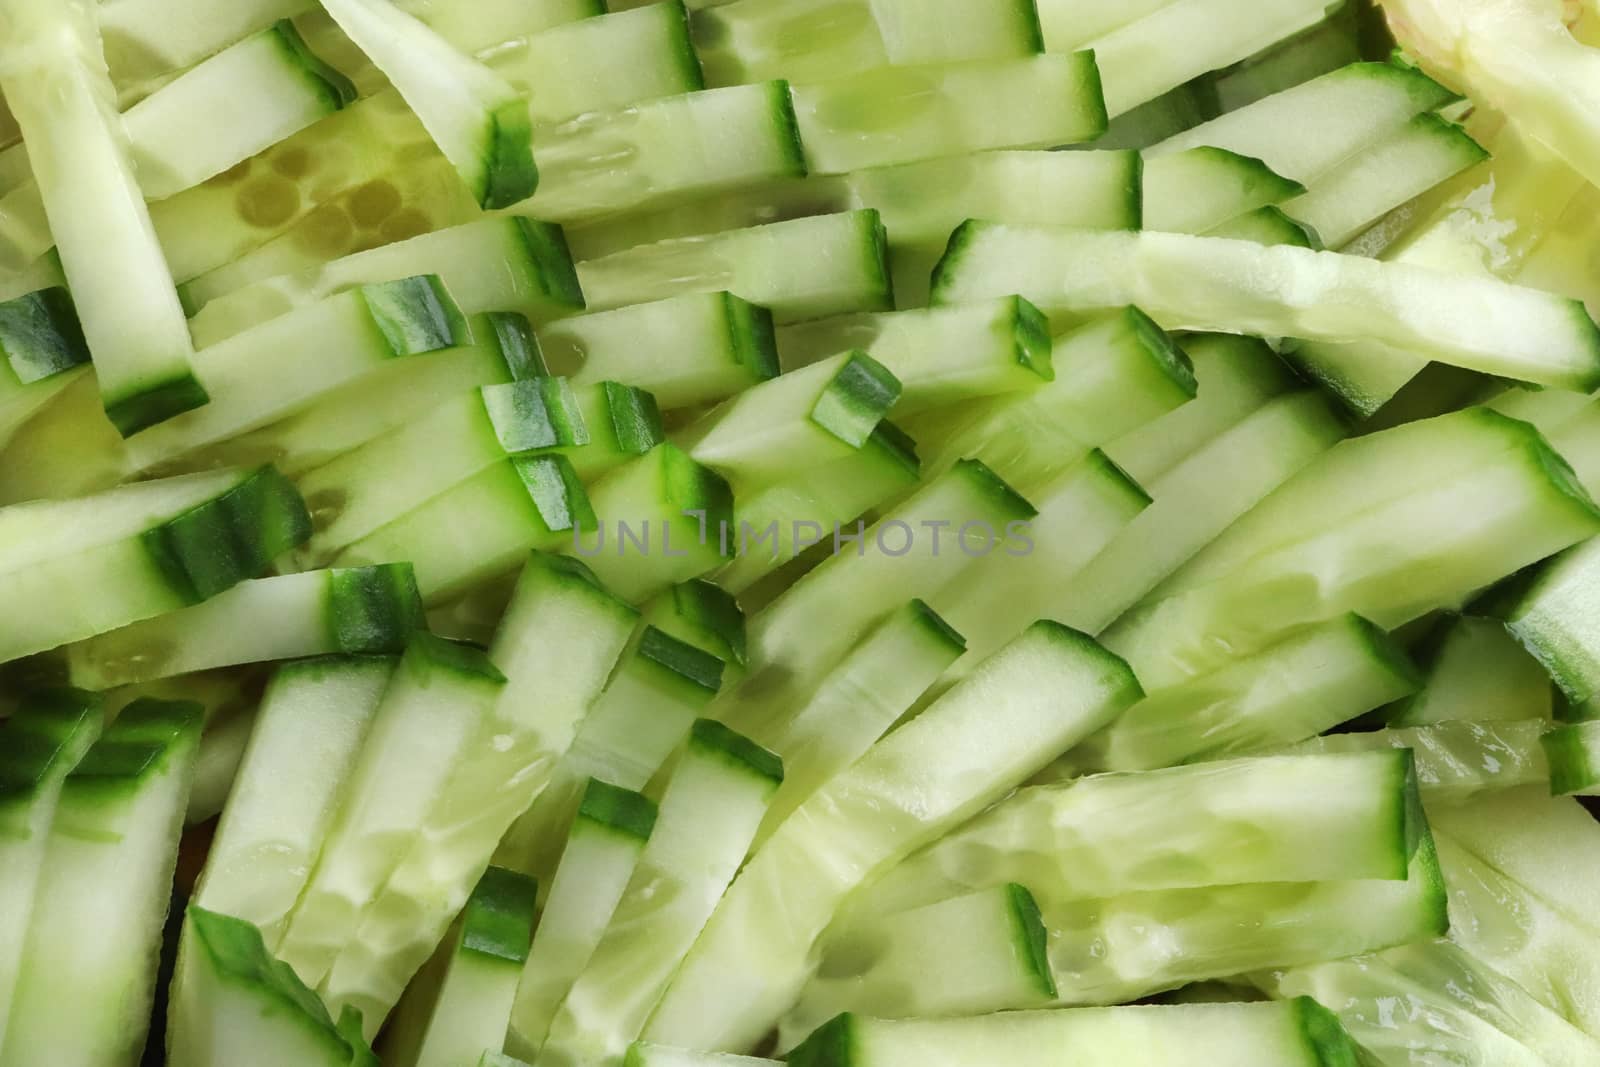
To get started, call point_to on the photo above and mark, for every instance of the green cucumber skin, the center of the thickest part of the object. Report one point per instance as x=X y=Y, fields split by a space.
x=857 y=399
x=695 y=665
x=37 y=737
x=624 y=810
x=155 y=402
x=635 y=418
x=550 y=260
x=1032 y=936
x=517 y=344
x=709 y=735
x=416 y=315
x=755 y=342
x=1569 y=750
x=374 y=610
x=40 y=335
x=534 y=413
x=336 y=90
x=498 y=919
x=511 y=175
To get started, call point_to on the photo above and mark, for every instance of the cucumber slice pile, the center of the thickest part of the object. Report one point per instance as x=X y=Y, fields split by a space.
x=848 y=533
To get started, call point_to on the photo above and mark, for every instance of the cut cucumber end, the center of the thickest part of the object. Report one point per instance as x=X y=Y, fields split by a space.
x=155 y=403
x=624 y=810
x=510 y=174
x=40 y=335
x=374 y=610
x=416 y=315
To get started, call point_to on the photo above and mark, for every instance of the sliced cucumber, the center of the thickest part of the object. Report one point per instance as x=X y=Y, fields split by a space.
x=1477 y=673
x=644 y=1054
x=1042 y=693
x=369 y=610
x=1294 y=1033
x=1269 y=225
x=602 y=849
x=284 y=365
x=801 y=269
x=102 y=894
x=897 y=115
x=687 y=350
x=1199 y=188
x=138 y=551
x=1311 y=681
x=424 y=724
x=1281 y=291
x=1573 y=754
x=560 y=638
x=987 y=949
x=146 y=39
x=55 y=82
x=1551 y=620
x=498 y=264
x=710 y=810
x=706 y=616
x=1072 y=24
x=623 y=423
x=42 y=351
x=796 y=39
x=1459 y=760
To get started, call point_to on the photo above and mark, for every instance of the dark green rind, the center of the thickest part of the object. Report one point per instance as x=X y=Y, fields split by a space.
x=623 y=810
x=1425 y=868
x=1586 y=383
x=997 y=493
x=681 y=46
x=374 y=610
x=337 y=90
x=695 y=665
x=1263 y=181
x=1554 y=466
x=1413 y=820
x=877 y=244
x=1472 y=151
x=1326 y=1039
x=40 y=335
x=155 y=403
x=1094 y=96
x=1272 y=225
x=416 y=315
x=238 y=955
x=136 y=745
x=41 y=733
x=510 y=173
x=1062 y=634
x=1028 y=22
x=1386 y=650
x=498 y=919
x=709 y=735
x=1132 y=188
x=833 y=1044
x=1163 y=350
x=635 y=418
x=517 y=344
x=752 y=337
x=232 y=537
x=426 y=653
x=895 y=443
x=551 y=262
x=949 y=265
x=1114 y=474
x=319 y=667
x=714 y=610
x=556 y=492
x=533 y=414
x=1032 y=939
x=1031 y=331
x=1536 y=592
x=856 y=399
x=1426 y=94
x=689 y=486
x=568 y=569
x=936 y=625
x=1571 y=770
x=782 y=105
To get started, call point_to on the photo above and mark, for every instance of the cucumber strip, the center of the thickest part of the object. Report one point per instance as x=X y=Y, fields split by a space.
x=894 y=560
x=1303 y=818
x=998 y=594
x=42 y=742
x=102 y=893
x=775 y=525
x=644 y=1054
x=754 y=40
x=1072 y=24
x=1458 y=760
x=1457 y=1010
x=222 y=748
x=1294 y=1033
x=677 y=147
x=665 y=492
x=1402 y=166
x=897 y=115
x=1477 y=673
x=1335 y=42
x=1235 y=376
x=52 y=75
x=1269 y=225
x=498 y=264
x=560 y=638
x=395 y=395
x=1111 y=377
x=661 y=687
x=282 y=366
x=370 y=610
x=478 y=120
x=474 y=1004
x=1304 y=132
x=602 y=849
x=1202 y=187
x=1281 y=291
x=940 y=355
x=1191 y=505
x=393 y=475
x=1309 y=682
x=1573 y=754
x=482 y=527
x=1551 y=620
x=42 y=351
x=687 y=350
x=710 y=809
x=623 y=423
x=1041 y=694
x=874 y=684
x=139 y=551
x=371 y=175
x=988 y=949
x=702 y=614
x=1523 y=507
x=1130 y=946
x=426 y=719
x=241 y=1005
x=492 y=21
x=1188 y=38
x=802 y=269
x=146 y=39
x=812 y=415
